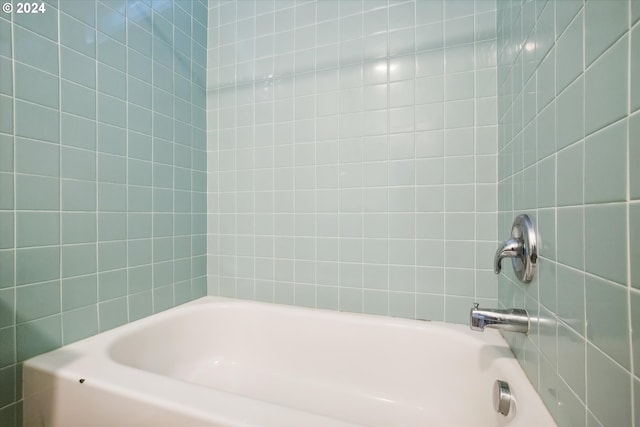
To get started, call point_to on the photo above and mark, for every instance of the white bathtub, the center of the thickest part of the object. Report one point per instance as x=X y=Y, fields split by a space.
x=217 y=361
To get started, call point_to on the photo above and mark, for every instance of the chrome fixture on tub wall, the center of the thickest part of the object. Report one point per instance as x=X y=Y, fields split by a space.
x=522 y=248
x=512 y=319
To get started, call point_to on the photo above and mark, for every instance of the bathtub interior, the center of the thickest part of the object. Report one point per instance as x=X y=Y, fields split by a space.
x=395 y=371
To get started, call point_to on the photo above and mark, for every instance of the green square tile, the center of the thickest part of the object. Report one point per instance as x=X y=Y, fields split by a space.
x=37 y=51
x=546 y=124
x=183 y=292
x=112 y=52
x=571 y=297
x=140 y=305
x=78 y=164
x=606 y=87
x=111 y=23
x=634 y=243
x=37 y=158
x=139 y=199
x=78 y=100
x=605 y=239
x=6 y=77
x=635 y=11
x=606 y=165
x=571 y=410
x=77 y=36
x=139 y=172
x=78 y=195
x=547 y=182
x=7 y=346
x=7 y=385
x=112 y=255
x=37 y=229
x=112 y=284
x=636 y=386
x=38 y=336
x=603 y=375
x=7 y=116
x=163 y=200
x=11 y=414
x=85 y=11
x=112 y=226
x=140 y=119
x=604 y=23
x=48 y=122
x=77 y=67
x=78 y=260
x=112 y=81
x=6 y=153
x=112 y=139
x=570 y=175
x=163 y=249
x=6 y=187
x=635 y=68
x=547 y=233
x=138 y=38
x=112 y=197
x=7 y=228
x=139 y=92
x=37 y=265
x=5 y=36
x=548 y=386
x=635 y=331
x=78 y=227
x=569 y=54
x=634 y=156
x=6 y=269
x=36 y=301
x=609 y=333
x=78 y=132
x=430 y=307
x=162 y=298
x=111 y=110
x=37 y=193
x=112 y=313
x=79 y=292
x=7 y=314
x=548 y=283
x=139 y=225
x=138 y=66
x=139 y=278
x=457 y=309
x=570 y=116
x=566 y=10
x=139 y=252
x=570 y=236
x=80 y=323
x=36 y=86
x=402 y=305
x=163 y=274
x=112 y=168
x=45 y=24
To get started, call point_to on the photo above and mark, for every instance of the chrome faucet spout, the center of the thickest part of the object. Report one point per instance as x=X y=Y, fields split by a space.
x=511 y=248
x=512 y=319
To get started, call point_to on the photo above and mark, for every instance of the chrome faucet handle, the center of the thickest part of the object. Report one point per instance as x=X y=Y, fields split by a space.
x=509 y=249
x=522 y=248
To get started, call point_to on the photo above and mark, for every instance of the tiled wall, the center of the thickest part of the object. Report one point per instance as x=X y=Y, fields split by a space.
x=353 y=154
x=102 y=171
x=569 y=155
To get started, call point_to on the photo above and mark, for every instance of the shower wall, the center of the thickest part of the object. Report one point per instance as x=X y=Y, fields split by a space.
x=102 y=172
x=569 y=155
x=353 y=154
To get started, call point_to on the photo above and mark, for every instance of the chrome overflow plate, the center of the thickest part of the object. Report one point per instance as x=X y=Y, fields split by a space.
x=502 y=397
